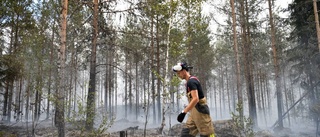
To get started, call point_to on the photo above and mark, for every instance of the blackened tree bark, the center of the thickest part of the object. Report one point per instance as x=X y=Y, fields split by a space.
x=247 y=61
x=92 y=78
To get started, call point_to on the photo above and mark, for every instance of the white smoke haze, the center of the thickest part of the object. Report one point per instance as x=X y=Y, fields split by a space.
x=298 y=125
x=297 y=120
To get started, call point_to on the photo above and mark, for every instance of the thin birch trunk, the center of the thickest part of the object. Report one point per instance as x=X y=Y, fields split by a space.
x=316 y=17
x=50 y=73
x=166 y=75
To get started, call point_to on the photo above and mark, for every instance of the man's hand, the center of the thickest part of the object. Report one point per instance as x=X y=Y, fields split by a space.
x=181 y=116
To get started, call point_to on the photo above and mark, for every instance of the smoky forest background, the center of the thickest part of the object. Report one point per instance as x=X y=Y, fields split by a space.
x=93 y=63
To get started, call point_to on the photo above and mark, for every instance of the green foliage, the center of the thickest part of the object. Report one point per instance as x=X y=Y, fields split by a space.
x=304 y=32
x=78 y=121
x=6 y=134
x=302 y=19
x=175 y=81
x=196 y=41
x=16 y=12
x=242 y=126
x=304 y=53
x=10 y=68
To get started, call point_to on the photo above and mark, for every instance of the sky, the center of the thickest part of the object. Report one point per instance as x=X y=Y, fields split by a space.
x=211 y=11
x=207 y=10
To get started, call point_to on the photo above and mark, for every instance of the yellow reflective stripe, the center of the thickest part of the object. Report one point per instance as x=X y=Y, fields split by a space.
x=212 y=135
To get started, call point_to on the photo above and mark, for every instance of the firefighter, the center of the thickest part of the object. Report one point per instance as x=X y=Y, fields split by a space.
x=199 y=120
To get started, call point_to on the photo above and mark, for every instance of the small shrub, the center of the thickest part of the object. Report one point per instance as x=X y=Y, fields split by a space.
x=242 y=126
x=78 y=121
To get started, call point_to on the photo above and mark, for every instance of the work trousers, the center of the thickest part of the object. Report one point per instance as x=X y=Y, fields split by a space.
x=199 y=121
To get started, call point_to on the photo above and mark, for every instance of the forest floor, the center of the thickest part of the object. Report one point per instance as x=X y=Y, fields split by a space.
x=131 y=129
x=45 y=128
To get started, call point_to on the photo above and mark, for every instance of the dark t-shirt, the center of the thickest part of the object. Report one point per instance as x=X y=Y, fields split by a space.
x=194 y=84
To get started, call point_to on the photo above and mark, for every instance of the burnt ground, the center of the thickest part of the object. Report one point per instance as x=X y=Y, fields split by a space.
x=223 y=128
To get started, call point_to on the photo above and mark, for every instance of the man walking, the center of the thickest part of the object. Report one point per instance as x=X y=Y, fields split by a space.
x=199 y=120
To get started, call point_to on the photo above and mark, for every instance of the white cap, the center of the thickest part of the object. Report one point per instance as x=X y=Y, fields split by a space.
x=181 y=66
x=177 y=67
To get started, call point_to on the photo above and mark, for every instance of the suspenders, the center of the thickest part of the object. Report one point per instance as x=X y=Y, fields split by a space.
x=192 y=77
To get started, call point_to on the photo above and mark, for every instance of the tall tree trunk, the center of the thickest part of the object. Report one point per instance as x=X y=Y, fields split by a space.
x=236 y=55
x=165 y=82
x=10 y=98
x=268 y=100
x=72 y=71
x=223 y=99
x=50 y=72
x=116 y=85
x=263 y=100
x=158 y=71
x=75 y=85
x=178 y=97
x=27 y=99
x=286 y=94
x=276 y=67
x=59 y=113
x=106 y=82
x=38 y=94
x=5 y=103
x=130 y=87
x=19 y=101
x=110 y=85
x=126 y=87
x=292 y=97
x=147 y=96
x=252 y=97
x=258 y=90
x=248 y=62
x=137 y=86
x=215 y=97
x=220 y=90
x=36 y=105
x=91 y=106
x=152 y=74
x=316 y=17
x=228 y=91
